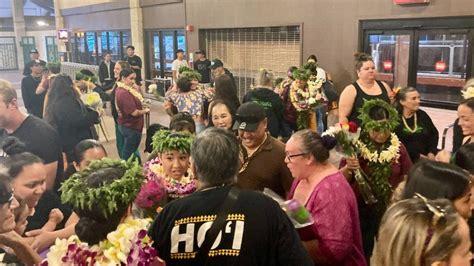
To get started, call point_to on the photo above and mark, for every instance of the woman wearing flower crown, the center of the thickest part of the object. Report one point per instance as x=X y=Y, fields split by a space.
x=167 y=175
x=416 y=130
x=106 y=233
x=305 y=94
x=384 y=160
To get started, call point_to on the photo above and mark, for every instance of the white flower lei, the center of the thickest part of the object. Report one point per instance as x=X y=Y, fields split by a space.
x=304 y=99
x=131 y=90
x=385 y=156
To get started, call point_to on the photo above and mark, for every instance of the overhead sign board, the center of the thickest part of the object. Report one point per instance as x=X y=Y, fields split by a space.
x=63 y=34
x=409 y=2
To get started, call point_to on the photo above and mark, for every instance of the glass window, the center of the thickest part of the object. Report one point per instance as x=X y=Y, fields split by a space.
x=81 y=47
x=181 y=40
x=104 y=43
x=391 y=55
x=441 y=70
x=168 y=40
x=114 y=45
x=156 y=51
x=125 y=42
x=90 y=53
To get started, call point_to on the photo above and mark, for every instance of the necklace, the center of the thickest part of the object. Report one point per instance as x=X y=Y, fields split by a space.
x=131 y=90
x=213 y=187
x=415 y=124
x=384 y=156
x=245 y=158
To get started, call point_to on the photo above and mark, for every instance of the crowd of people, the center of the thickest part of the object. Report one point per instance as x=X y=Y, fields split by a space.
x=362 y=167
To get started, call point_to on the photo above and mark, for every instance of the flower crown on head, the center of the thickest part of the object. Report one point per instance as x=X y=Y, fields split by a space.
x=396 y=90
x=301 y=74
x=468 y=92
x=189 y=73
x=77 y=192
x=368 y=123
x=82 y=76
x=166 y=140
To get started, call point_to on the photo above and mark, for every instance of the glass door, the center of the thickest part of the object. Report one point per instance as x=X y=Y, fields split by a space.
x=391 y=52
x=28 y=44
x=51 y=49
x=441 y=69
x=168 y=49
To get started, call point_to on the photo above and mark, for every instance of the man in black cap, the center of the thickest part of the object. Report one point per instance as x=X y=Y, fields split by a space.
x=262 y=156
x=34 y=87
x=218 y=69
x=178 y=63
x=34 y=55
x=202 y=65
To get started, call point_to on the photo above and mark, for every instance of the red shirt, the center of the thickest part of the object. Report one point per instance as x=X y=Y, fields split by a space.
x=126 y=105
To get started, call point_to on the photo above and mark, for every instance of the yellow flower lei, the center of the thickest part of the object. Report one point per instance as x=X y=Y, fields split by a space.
x=385 y=156
x=131 y=90
x=111 y=251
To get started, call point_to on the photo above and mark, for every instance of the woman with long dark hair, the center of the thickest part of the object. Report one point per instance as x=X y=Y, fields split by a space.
x=66 y=112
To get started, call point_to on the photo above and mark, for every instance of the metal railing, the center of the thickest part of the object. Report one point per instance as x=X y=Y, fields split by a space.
x=71 y=68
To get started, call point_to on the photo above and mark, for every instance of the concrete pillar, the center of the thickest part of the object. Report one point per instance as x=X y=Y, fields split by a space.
x=20 y=30
x=59 y=21
x=136 y=29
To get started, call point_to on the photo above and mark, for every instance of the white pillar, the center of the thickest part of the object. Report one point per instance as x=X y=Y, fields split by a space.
x=136 y=29
x=59 y=21
x=20 y=30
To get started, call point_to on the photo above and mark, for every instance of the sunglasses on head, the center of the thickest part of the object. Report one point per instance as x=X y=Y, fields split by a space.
x=8 y=198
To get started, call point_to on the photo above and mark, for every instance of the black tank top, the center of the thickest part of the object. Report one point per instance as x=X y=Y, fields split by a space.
x=361 y=95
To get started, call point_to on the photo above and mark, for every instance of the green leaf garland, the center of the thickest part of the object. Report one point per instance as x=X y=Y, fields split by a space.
x=123 y=190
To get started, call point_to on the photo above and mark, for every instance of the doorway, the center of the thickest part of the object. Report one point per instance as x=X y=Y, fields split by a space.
x=28 y=44
x=433 y=55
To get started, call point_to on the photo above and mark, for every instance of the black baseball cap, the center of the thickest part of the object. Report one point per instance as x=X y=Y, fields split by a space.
x=33 y=51
x=216 y=63
x=35 y=62
x=248 y=116
x=200 y=52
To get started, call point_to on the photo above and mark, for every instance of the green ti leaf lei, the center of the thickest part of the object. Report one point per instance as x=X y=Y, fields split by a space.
x=368 y=123
x=378 y=173
x=123 y=190
x=166 y=140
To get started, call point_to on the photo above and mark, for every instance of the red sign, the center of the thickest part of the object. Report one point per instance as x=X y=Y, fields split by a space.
x=387 y=65
x=440 y=66
x=409 y=2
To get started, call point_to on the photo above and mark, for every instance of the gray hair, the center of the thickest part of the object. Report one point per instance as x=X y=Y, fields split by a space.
x=215 y=155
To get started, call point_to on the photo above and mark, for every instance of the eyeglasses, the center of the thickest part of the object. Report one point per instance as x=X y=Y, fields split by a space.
x=288 y=156
x=438 y=214
x=9 y=200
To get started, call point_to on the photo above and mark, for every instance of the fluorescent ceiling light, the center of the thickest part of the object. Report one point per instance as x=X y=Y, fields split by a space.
x=41 y=23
